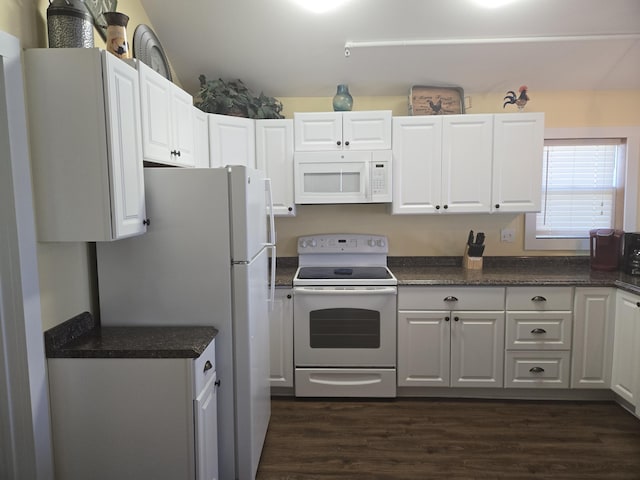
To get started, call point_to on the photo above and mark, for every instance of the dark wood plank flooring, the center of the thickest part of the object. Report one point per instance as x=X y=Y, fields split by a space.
x=449 y=439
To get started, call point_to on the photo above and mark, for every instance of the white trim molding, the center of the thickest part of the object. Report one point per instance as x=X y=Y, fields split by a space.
x=25 y=431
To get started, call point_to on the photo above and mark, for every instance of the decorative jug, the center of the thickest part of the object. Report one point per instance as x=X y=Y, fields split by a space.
x=117 y=34
x=342 y=100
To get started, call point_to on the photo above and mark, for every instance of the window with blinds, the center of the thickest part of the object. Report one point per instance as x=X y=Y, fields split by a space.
x=581 y=190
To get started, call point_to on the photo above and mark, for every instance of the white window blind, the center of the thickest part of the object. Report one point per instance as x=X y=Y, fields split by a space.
x=579 y=187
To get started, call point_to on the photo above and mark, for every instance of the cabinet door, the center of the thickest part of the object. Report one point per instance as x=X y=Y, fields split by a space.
x=201 y=138
x=466 y=163
x=232 y=141
x=317 y=131
x=423 y=348
x=366 y=130
x=417 y=153
x=592 y=347
x=281 y=339
x=182 y=127
x=477 y=349
x=274 y=156
x=626 y=347
x=206 y=426
x=518 y=142
x=155 y=100
x=125 y=160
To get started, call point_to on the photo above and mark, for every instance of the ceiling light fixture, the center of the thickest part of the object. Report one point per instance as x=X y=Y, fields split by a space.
x=494 y=3
x=320 y=6
x=485 y=41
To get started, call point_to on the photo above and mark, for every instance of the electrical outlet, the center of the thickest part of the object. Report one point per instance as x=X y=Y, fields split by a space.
x=508 y=235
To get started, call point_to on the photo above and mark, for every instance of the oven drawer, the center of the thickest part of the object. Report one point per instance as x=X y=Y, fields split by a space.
x=345 y=382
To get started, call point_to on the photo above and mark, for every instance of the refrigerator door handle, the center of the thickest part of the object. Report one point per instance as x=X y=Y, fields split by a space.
x=272 y=228
x=272 y=282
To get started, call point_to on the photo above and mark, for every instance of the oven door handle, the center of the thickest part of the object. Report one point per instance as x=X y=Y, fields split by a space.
x=345 y=290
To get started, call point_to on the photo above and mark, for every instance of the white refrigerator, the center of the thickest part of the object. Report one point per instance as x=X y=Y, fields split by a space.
x=204 y=261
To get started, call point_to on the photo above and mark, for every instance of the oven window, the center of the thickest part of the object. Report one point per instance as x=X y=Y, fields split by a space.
x=344 y=328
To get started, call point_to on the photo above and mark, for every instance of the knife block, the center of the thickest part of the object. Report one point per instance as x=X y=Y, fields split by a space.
x=471 y=263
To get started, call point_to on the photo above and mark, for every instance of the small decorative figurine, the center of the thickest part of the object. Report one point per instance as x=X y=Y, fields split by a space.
x=520 y=100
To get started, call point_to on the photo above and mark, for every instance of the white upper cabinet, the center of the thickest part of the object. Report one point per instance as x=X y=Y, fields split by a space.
x=200 y=138
x=467 y=163
x=274 y=156
x=86 y=145
x=518 y=142
x=167 y=120
x=232 y=141
x=442 y=164
x=322 y=131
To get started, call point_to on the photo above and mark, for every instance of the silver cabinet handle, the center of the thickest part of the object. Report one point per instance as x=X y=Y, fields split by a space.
x=538 y=331
x=450 y=298
x=536 y=369
x=207 y=366
x=538 y=298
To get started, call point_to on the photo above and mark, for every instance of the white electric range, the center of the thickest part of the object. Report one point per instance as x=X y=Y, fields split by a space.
x=345 y=302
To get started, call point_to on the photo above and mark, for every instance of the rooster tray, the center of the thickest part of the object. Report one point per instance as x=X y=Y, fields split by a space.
x=436 y=100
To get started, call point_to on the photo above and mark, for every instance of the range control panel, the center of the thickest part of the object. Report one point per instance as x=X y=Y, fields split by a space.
x=343 y=243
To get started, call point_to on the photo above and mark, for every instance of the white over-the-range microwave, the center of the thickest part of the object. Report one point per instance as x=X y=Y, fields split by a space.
x=343 y=177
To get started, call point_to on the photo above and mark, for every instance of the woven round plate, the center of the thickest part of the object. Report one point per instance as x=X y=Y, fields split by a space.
x=147 y=49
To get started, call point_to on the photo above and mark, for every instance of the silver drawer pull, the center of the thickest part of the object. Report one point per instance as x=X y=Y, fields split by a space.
x=538 y=298
x=207 y=366
x=538 y=331
x=536 y=370
x=450 y=298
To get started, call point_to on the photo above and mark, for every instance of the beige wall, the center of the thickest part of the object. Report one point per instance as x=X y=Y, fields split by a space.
x=67 y=270
x=440 y=234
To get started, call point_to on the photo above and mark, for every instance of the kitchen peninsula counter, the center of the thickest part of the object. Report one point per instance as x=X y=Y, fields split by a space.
x=83 y=337
x=496 y=271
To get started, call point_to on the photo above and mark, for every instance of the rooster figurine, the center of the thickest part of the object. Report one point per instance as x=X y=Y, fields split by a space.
x=436 y=107
x=520 y=101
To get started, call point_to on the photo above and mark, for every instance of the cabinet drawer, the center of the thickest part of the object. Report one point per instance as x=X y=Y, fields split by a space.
x=538 y=330
x=201 y=370
x=539 y=298
x=537 y=369
x=454 y=298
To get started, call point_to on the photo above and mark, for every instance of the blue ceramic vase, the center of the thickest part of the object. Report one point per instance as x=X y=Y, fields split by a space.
x=342 y=101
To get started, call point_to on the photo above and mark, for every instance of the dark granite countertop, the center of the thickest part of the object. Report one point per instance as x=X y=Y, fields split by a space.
x=496 y=271
x=82 y=337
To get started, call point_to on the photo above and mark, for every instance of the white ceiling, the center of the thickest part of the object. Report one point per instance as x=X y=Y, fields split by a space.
x=277 y=47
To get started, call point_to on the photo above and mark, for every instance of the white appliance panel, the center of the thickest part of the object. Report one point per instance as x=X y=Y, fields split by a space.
x=250 y=302
x=248 y=212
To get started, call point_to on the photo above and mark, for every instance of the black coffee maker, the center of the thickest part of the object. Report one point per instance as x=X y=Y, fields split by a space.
x=631 y=257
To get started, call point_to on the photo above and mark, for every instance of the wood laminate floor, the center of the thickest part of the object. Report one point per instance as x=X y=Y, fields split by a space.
x=449 y=439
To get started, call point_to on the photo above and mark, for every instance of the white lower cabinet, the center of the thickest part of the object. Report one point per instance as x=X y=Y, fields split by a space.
x=460 y=347
x=538 y=338
x=281 y=339
x=625 y=375
x=135 y=417
x=592 y=348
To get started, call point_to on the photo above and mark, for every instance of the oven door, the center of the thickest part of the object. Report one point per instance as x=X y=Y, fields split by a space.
x=345 y=326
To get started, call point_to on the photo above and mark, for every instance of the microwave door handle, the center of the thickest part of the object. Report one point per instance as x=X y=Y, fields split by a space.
x=367 y=180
